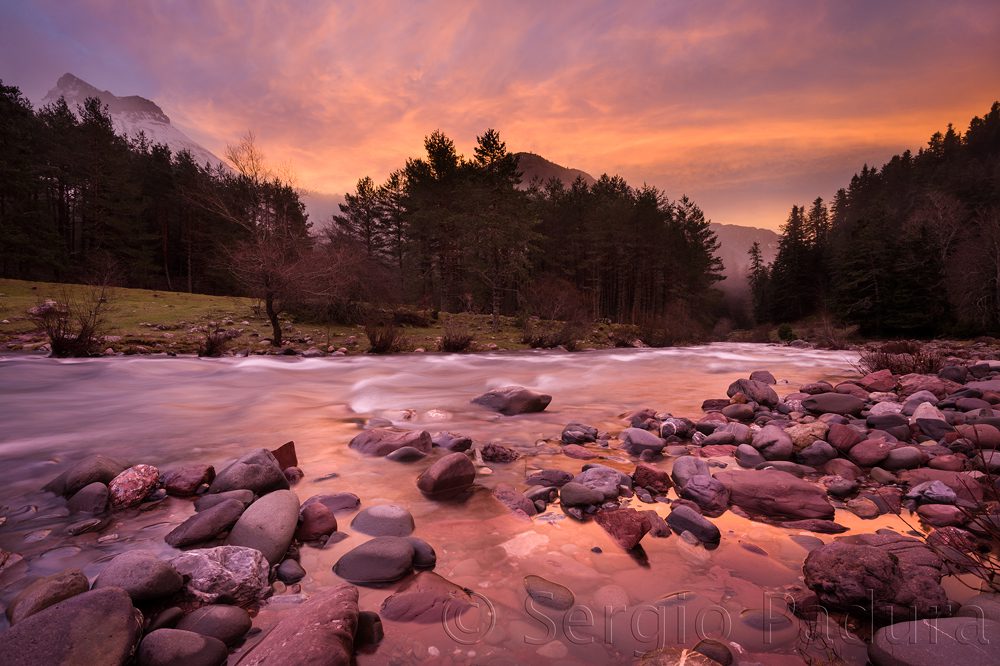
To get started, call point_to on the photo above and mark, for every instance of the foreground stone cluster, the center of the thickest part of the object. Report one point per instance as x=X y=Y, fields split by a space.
x=921 y=446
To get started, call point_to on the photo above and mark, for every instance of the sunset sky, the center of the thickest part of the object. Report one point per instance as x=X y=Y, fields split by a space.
x=748 y=107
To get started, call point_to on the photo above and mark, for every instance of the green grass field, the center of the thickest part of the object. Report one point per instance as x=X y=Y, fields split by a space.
x=143 y=321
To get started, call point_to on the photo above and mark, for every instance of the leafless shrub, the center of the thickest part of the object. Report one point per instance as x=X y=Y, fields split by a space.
x=623 y=335
x=900 y=358
x=566 y=335
x=456 y=339
x=73 y=325
x=384 y=339
x=216 y=341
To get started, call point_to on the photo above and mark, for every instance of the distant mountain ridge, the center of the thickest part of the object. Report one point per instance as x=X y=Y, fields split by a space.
x=131 y=115
x=535 y=167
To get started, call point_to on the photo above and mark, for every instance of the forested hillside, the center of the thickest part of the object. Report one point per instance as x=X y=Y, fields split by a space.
x=911 y=248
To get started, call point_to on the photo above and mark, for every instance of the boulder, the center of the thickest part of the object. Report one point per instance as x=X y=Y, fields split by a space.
x=636 y=441
x=514 y=499
x=223 y=622
x=89 y=470
x=257 y=471
x=45 y=592
x=244 y=497
x=966 y=487
x=775 y=494
x=605 y=480
x=92 y=498
x=512 y=400
x=268 y=525
x=843 y=437
x=914 y=383
x=941 y=515
x=747 y=456
x=406 y=454
x=451 y=475
x=816 y=454
x=383 y=559
x=804 y=434
x=132 y=485
x=773 y=443
x=967 y=641
x=548 y=593
x=186 y=480
x=96 y=627
x=577 y=494
x=870 y=452
x=141 y=574
x=383 y=441
x=626 y=526
x=882 y=380
x=451 y=441
x=384 y=520
x=982 y=435
x=763 y=376
x=757 y=391
x=904 y=457
x=549 y=477
x=205 y=525
x=316 y=522
x=427 y=598
x=225 y=574
x=685 y=519
x=337 y=502
x=320 y=631
x=498 y=453
x=578 y=433
x=708 y=493
x=578 y=452
x=687 y=467
x=286 y=455
x=175 y=647
x=655 y=480
x=833 y=403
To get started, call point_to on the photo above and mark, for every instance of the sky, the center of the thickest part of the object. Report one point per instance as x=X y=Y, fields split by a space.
x=747 y=107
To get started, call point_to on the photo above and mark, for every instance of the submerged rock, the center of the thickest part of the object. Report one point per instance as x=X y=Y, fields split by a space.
x=512 y=400
x=383 y=441
x=549 y=594
x=451 y=475
x=92 y=498
x=956 y=640
x=426 y=598
x=92 y=469
x=685 y=519
x=316 y=521
x=184 y=481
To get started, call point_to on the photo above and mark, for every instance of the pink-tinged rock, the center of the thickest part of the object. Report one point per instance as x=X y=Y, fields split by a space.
x=912 y=383
x=578 y=452
x=870 y=452
x=965 y=486
x=982 y=435
x=316 y=521
x=949 y=462
x=656 y=480
x=626 y=526
x=131 y=486
x=450 y=475
x=775 y=494
x=716 y=451
x=285 y=455
x=881 y=381
x=850 y=388
x=514 y=499
x=942 y=515
x=843 y=437
x=185 y=481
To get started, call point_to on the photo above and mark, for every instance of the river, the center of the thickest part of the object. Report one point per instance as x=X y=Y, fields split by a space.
x=164 y=411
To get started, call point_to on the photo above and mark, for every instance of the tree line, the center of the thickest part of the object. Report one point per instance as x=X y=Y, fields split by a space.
x=908 y=249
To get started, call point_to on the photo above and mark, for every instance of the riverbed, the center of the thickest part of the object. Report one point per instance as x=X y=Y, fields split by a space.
x=164 y=411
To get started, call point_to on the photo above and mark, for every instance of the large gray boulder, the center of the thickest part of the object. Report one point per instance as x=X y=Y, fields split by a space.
x=512 y=400
x=955 y=640
x=142 y=574
x=268 y=525
x=381 y=560
x=320 y=631
x=383 y=441
x=224 y=574
x=775 y=494
x=708 y=493
x=258 y=471
x=603 y=479
x=96 y=627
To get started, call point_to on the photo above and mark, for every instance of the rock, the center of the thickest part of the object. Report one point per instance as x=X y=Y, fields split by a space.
x=763 y=376
x=863 y=508
x=45 y=592
x=870 y=452
x=205 y=525
x=685 y=519
x=833 y=403
x=738 y=412
x=451 y=475
x=816 y=388
x=513 y=499
x=982 y=435
x=96 y=627
x=384 y=520
x=965 y=486
x=603 y=479
x=635 y=441
x=131 y=486
x=383 y=441
x=337 y=502
x=426 y=598
x=320 y=631
x=655 y=480
x=904 y=457
x=92 y=498
x=844 y=468
x=687 y=467
x=773 y=443
x=225 y=574
x=185 y=481
x=804 y=434
x=286 y=456
x=424 y=556
x=626 y=526
x=92 y=469
x=257 y=471
x=757 y=391
x=406 y=454
x=986 y=606
x=883 y=574
x=775 y=494
x=228 y=624
x=941 y=515
x=948 y=462
x=384 y=559
x=708 y=493
x=512 y=400
x=815 y=525
x=674 y=656
x=747 y=456
x=290 y=572
x=816 y=454
x=549 y=594
x=578 y=452
x=577 y=494
x=244 y=497
x=838 y=486
x=268 y=525
x=954 y=373
x=451 y=441
x=141 y=574
x=549 y=477
x=578 y=433
x=316 y=521
x=498 y=453
x=913 y=383
x=369 y=632
x=843 y=437
x=174 y=647
x=883 y=380
x=956 y=640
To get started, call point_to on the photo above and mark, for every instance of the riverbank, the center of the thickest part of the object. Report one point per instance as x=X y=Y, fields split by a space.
x=728 y=521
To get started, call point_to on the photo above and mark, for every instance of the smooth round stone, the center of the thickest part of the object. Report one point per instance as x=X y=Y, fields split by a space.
x=92 y=498
x=220 y=621
x=268 y=525
x=384 y=520
x=290 y=572
x=45 y=592
x=406 y=454
x=384 y=559
x=142 y=574
x=316 y=521
x=549 y=594
x=424 y=556
x=949 y=640
x=205 y=525
x=175 y=647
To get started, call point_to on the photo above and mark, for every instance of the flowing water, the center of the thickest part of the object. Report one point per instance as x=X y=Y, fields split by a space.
x=165 y=411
